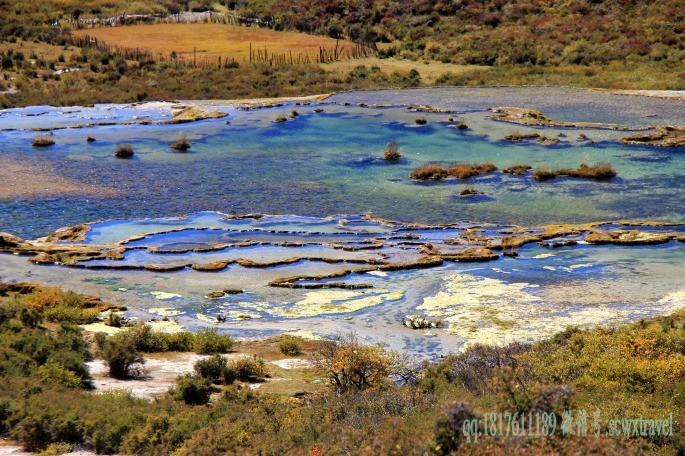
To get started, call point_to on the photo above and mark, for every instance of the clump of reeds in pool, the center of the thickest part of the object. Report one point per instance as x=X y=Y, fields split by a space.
x=182 y=144
x=599 y=171
x=460 y=171
x=392 y=151
x=124 y=151
x=43 y=141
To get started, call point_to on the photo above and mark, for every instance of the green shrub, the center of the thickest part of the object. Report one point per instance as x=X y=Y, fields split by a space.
x=208 y=341
x=192 y=390
x=180 y=341
x=31 y=318
x=211 y=368
x=290 y=346
x=75 y=315
x=144 y=338
x=122 y=358
x=52 y=372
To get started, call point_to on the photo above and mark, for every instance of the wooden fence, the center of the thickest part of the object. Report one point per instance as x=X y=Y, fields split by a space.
x=257 y=55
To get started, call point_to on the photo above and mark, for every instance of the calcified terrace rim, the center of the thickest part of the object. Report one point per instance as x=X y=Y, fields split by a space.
x=400 y=248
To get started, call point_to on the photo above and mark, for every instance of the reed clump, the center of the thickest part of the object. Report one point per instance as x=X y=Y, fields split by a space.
x=518 y=169
x=124 y=151
x=599 y=171
x=43 y=141
x=460 y=171
x=429 y=172
x=392 y=151
x=181 y=144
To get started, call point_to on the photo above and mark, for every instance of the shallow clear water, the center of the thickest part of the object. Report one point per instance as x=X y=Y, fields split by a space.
x=327 y=163
x=525 y=298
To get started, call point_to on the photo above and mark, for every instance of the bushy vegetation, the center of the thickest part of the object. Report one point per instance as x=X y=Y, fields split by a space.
x=290 y=346
x=211 y=368
x=192 y=390
x=460 y=171
x=374 y=401
x=392 y=151
x=43 y=141
x=182 y=144
x=246 y=369
x=599 y=171
x=124 y=151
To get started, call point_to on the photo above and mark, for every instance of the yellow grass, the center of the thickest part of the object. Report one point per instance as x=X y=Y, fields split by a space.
x=429 y=70
x=211 y=40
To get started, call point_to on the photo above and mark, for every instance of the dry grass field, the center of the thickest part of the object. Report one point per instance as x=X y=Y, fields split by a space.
x=212 y=41
x=429 y=70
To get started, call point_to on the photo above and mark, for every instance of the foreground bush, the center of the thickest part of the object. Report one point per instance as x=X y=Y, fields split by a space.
x=350 y=366
x=211 y=368
x=122 y=358
x=209 y=341
x=193 y=390
x=290 y=346
x=245 y=369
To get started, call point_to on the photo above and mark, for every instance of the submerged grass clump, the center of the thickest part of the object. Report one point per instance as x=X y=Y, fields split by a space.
x=392 y=151
x=517 y=169
x=460 y=171
x=181 y=144
x=599 y=171
x=43 y=141
x=428 y=172
x=124 y=151
x=516 y=136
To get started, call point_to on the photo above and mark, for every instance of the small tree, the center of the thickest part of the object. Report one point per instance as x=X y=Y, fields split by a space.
x=351 y=366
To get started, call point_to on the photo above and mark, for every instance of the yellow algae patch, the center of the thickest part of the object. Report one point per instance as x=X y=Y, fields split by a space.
x=672 y=301
x=100 y=327
x=170 y=326
x=238 y=315
x=162 y=295
x=378 y=273
x=303 y=334
x=494 y=312
x=335 y=302
x=207 y=318
x=165 y=311
x=543 y=255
